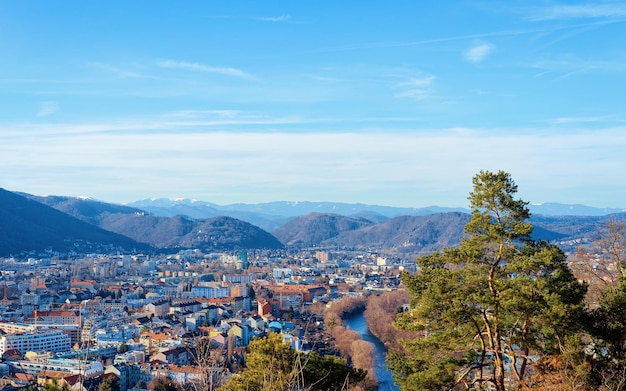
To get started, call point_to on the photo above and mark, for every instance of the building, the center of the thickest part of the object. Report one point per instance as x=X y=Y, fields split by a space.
x=323 y=256
x=185 y=306
x=158 y=308
x=282 y=273
x=293 y=296
x=210 y=291
x=69 y=318
x=39 y=342
x=239 y=278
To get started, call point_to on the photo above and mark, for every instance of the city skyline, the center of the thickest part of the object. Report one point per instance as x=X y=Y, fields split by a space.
x=396 y=104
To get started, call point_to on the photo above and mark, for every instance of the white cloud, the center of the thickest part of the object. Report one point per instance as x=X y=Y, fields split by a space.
x=585 y=11
x=584 y=120
x=189 y=66
x=281 y=18
x=48 y=108
x=479 y=52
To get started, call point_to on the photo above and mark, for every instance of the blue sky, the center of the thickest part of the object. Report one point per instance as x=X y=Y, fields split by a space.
x=396 y=103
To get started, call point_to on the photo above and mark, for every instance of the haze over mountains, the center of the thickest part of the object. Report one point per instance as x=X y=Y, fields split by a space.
x=271 y=215
x=60 y=223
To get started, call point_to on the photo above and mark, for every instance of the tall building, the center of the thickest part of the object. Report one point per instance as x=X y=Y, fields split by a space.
x=323 y=256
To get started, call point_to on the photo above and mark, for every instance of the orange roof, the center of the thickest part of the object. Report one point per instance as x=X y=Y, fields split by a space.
x=155 y=336
x=54 y=374
x=25 y=376
x=56 y=313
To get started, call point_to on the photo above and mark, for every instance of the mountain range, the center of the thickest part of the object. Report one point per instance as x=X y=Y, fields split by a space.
x=272 y=215
x=29 y=226
x=60 y=223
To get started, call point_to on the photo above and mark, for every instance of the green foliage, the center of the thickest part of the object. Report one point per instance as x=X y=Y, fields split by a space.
x=54 y=386
x=607 y=324
x=110 y=383
x=164 y=384
x=272 y=365
x=487 y=306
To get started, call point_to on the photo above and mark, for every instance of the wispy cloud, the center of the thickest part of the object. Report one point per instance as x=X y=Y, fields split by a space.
x=191 y=121
x=230 y=114
x=583 y=120
x=479 y=52
x=48 y=108
x=584 y=11
x=190 y=66
x=120 y=72
x=250 y=166
x=418 y=88
x=281 y=18
x=569 y=66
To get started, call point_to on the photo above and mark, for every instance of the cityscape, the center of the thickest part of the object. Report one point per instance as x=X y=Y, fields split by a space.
x=139 y=316
x=312 y=196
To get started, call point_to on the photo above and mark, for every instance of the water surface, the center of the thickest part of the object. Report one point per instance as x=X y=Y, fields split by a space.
x=358 y=323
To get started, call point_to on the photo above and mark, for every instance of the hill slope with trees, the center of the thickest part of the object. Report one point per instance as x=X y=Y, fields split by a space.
x=218 y=233
x=29 y=226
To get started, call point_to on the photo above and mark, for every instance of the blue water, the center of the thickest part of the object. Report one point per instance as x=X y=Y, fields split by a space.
x=359 y=324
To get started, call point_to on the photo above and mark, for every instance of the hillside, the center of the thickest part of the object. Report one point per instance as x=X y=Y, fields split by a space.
x=217 y=233
x=272 y=215
x=85 y=209
x=407 y=234
x=424 y=234
x=411 y=234
x=315 y=229
x=27 y=225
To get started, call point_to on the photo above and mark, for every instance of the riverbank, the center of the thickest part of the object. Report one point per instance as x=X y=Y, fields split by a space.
x=357 y=322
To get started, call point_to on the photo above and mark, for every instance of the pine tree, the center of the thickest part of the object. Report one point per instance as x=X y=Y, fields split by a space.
x=490 y=308
x=109 y=383
x=272 y=365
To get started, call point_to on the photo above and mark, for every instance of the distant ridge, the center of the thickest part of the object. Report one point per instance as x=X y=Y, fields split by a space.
x=27 y=225
x=185 y=225
x=177 y=231
x=315 y=229
x=216 y=233
x=300 y=208
x=272 y=215
x=556 y=209
x=410 y=234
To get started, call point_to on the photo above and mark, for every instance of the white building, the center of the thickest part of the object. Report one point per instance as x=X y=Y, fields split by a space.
x=39 y=342
x=210 y=290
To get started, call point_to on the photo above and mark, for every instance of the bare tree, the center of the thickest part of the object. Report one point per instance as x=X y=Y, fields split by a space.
x=211 y=362
x=602 y=266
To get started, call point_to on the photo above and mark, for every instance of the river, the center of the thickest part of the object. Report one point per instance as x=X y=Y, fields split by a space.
x=358 y=323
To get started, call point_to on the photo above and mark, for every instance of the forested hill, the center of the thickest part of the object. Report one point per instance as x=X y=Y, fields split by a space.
x=407 y=234
x=217 y=233
x=413 y=234
x=316 y=229
x=27 y=225
x=424 y=234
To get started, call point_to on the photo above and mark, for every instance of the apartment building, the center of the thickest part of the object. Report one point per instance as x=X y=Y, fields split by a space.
x=39 y=342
